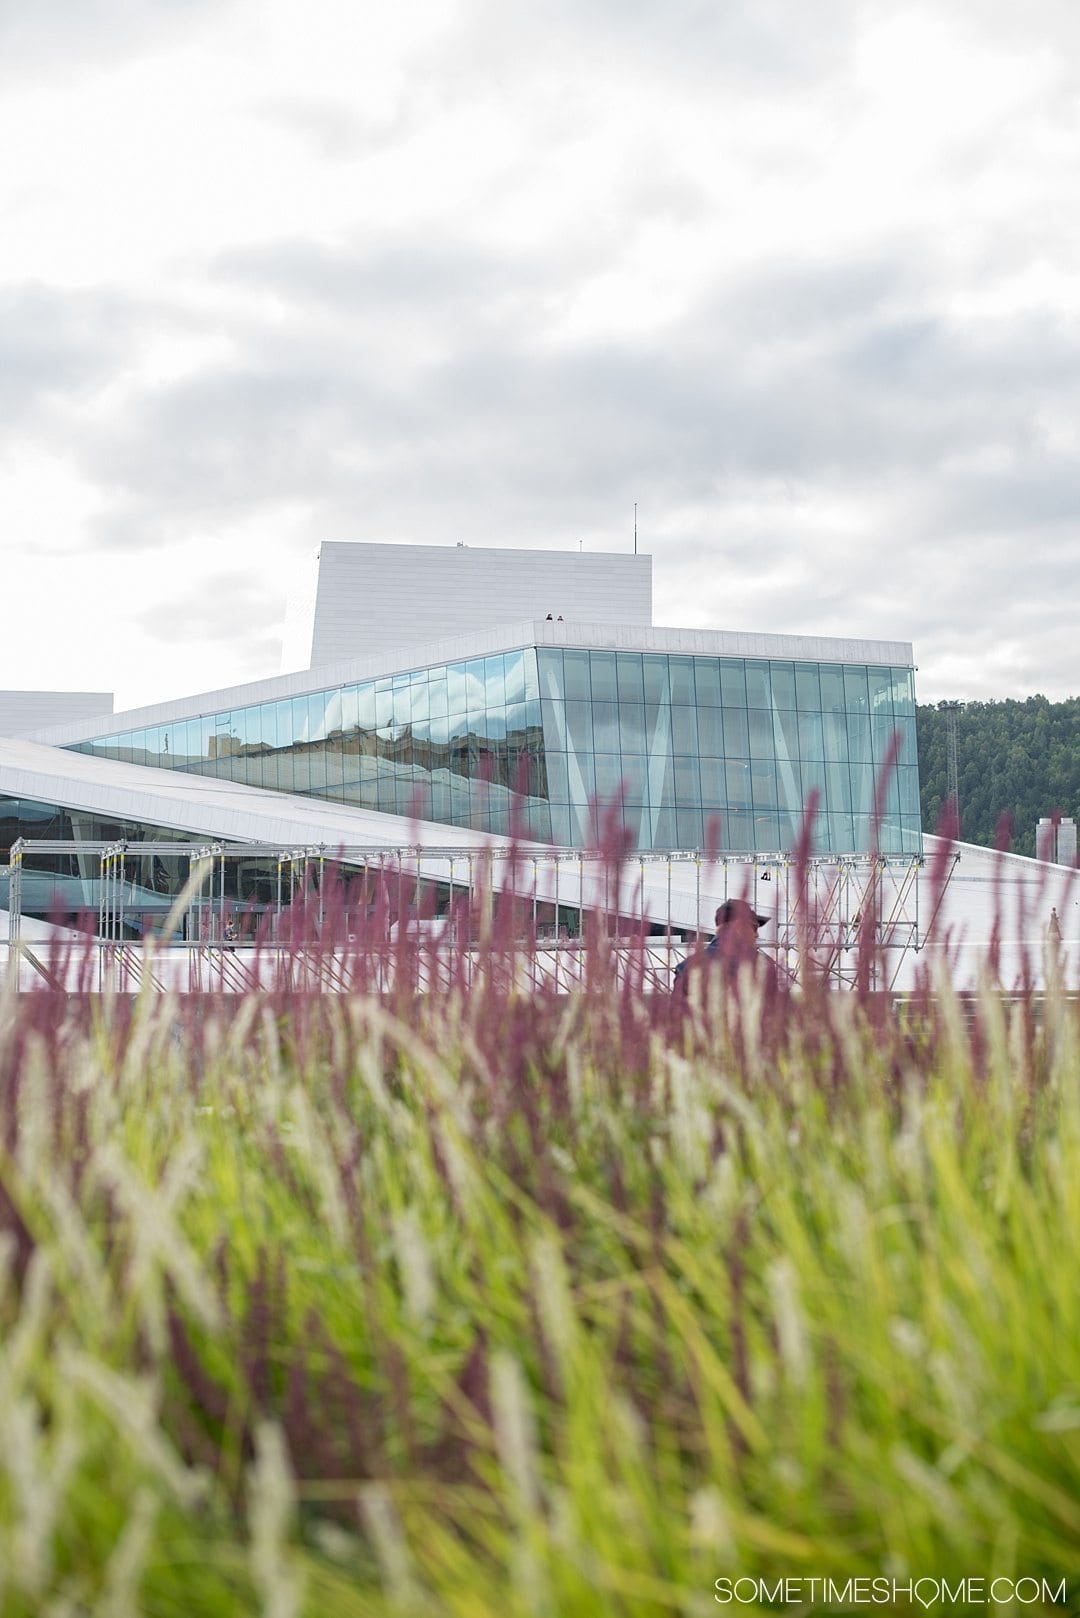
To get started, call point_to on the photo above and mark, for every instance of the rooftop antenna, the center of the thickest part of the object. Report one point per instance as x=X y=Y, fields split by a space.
x=635 y=527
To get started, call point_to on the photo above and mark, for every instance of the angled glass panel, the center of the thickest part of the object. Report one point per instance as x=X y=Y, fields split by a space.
x=332 y=717
x=736 y=733
x=561 y=825
x=655 y=671
x=629 y=677
x=549 y=661
x=532 y=677
x=707 y=682
x=862 y=789
x=402 y=704
x=882 y=729
x=349 y=710
x=632 y=733
x=783 y=684
x=456 y=686
x=687 y=781
x=476 y=701
x=438 y=697
x=514 y=676
x=516 y=723
x=911 y=835
x=576 y=683
x=904 y=724
x=766 y=831
x=681 y=674
x=811 y=736
x=317 y=775
x=807 y=688
x=856 y=691
x=664 y=832
x=903 y=690
x=758 y=685
x=762 y=744
x=838 y=787
x=813 y=780
x=833 y=699
x=605 y=717
x=880 y=684
x=384 y=704
x=710 y=726
x=908 y=789
x=865 y=837
x=608 y=776
x=786 y=733
x=318 y=718
x=889 y=788
x=266 y=725
x=558 y=779
x=739 y=793
x=684 y=732
x=791 y=828
x=494 y=681
x=602 y=674
x=835 y=736
x=296 y=777
x=635 y=772
x=713 y=783
x=733 y=682
x=556 y=734
x=764 y=786
x=737 y=831
x=860 y=747
x=689 y=829
x=579 y=726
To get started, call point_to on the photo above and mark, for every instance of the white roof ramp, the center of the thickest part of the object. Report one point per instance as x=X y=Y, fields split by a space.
x=206 y=806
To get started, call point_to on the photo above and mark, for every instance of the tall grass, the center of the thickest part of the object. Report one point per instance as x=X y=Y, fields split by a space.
x=487 y=1302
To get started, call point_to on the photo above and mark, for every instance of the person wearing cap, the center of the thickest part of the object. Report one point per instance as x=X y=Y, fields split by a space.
x=734 y=942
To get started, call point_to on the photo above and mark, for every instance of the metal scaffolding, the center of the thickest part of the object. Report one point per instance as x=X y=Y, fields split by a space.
x=208 y=908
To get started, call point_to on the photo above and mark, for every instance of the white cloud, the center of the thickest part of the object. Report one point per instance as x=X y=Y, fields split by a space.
x=801 y=281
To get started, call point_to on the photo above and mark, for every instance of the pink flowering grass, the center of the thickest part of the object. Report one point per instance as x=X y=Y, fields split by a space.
x=508 y=1297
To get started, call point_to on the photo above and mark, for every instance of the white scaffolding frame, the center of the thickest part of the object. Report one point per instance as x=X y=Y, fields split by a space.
x=819 y=909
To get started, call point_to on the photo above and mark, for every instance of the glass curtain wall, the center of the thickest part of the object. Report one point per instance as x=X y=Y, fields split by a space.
x=58 y=886
x=726 y=752
x=461 y=745
x=703 y=751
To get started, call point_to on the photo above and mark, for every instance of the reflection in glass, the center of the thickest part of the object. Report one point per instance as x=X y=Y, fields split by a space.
x=783 y=684
x=496 y=741
x=758 y=687
x=629 y=678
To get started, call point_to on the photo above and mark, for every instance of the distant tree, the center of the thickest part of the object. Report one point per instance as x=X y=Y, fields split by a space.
x=1020 y=759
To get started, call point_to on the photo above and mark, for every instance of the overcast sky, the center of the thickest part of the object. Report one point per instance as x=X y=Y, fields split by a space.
x=802 y=280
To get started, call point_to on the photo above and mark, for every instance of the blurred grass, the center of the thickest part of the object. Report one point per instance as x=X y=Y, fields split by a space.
x=518 y=1305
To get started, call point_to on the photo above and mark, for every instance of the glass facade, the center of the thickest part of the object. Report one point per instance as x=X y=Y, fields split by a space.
x=704 y=751
x=59 y=885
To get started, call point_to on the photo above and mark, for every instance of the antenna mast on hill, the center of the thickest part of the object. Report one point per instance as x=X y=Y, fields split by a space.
x=952 y=711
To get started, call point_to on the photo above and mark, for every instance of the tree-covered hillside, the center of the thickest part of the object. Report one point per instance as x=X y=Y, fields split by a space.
x=1017 y=758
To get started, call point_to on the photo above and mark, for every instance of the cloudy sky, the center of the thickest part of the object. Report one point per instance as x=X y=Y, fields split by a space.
x=802 y=280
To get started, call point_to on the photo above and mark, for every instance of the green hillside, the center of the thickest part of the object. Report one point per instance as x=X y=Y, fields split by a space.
x=1015 y=758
